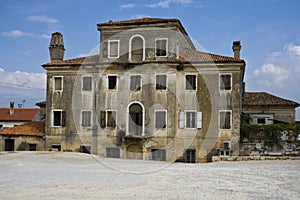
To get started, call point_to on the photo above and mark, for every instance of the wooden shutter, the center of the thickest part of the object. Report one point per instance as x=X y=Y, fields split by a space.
x=199 y=119
x=63 y=118
x=181 y=120
x=102 y=119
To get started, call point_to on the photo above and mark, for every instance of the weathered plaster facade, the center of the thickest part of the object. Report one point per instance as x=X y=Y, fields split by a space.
x=112 y=105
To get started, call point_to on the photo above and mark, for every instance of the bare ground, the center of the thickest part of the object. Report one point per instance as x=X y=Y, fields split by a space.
x=46 y=175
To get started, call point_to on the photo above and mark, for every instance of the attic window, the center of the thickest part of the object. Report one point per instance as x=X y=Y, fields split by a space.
x=161 y=47
x=58 y=83
x=113 y=48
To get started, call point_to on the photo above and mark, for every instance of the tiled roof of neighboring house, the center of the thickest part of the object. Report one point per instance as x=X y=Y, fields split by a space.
x=20 y=114
x=27 y=129
x=190 y=55
x=263 y=98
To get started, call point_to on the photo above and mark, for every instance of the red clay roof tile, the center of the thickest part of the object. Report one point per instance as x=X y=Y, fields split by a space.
x=265 y=99
x=27 y=129
x=20 y=114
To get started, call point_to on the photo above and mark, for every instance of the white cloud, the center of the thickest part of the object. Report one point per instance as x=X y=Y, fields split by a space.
x=18 y=86
x=43 y=18
x=126 y=6
x=16 y=33
x=139 y=16
x=22 y=80
x=45 y=36
x=280 y=74
x=280 y=68
x=167 y=3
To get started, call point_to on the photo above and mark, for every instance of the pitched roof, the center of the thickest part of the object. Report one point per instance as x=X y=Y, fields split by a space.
x=20 y=114
x=145 y=20
x=265 y=99
x=27 y=129
x=190 y=55
x=75 y=61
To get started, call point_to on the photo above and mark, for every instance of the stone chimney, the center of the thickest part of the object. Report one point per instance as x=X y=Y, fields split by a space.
x=236 y=47
x=11 y=108
x=56 y=48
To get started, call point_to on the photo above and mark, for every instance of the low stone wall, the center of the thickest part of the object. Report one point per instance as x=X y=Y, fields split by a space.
x=247 y=158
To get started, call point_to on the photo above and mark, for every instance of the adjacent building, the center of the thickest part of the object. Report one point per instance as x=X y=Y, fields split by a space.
x=147 y=94
x=12 y=116
x=264 y=108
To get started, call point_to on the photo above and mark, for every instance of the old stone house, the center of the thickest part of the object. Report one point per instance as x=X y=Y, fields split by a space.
x=10 y=117
x=147 y=94
x=25 y=137
x=264 y=108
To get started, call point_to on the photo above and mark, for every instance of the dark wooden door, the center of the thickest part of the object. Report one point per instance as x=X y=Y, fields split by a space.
x=9 y=145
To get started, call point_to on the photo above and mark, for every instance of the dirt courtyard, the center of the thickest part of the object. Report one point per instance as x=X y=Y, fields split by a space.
x=46 y=175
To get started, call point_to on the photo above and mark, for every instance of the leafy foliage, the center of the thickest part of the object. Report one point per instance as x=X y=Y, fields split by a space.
x=269 y=134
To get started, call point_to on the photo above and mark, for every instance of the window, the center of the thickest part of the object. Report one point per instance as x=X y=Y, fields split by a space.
x=112 y=152
x=190 y=121
x=1 y=127
x=135 y=82
x=161 y=82
x=32 y=147
x=87 y=83
x=113 y=48
x=108 y=119
x=112 y=82
x=261 y=120
x=85 y=149
x=225 y=82
x=190 y=155
x=224 y=153
x=86 y=118
x=225 y=120
x=111 y=119
x=58 y=83
x=161 y=119
x=59 y=118
x=193 y=119
x=190 y=83
x=161 y=47
x=158 y=154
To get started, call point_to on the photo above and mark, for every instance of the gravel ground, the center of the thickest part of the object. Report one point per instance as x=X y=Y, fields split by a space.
x=48 y=175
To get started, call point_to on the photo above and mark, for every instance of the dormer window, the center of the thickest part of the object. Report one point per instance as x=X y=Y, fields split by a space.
x=113 y=48
x=161 y=47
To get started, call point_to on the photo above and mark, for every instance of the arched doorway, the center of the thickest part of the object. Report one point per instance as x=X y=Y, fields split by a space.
x=134 y=151
x=136 y=50
x=135 y=115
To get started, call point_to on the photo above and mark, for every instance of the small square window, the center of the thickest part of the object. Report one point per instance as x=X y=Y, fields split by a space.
x=58 y=83
x=261 y=120
x=87 y=83
x=112 y=152
x=86 y=118
x=113 y=48
x=225 y=120
x=158 y=154
x=161 y=47
x=225 y=82
x=160 y=119
x=112 y=82
x=161 y=82
x=190 y=83
x=135 y=82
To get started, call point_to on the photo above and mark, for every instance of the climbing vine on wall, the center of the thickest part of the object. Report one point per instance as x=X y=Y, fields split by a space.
x=268 y=134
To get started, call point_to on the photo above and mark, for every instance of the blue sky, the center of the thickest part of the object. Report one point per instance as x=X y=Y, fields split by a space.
x=269 y=31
